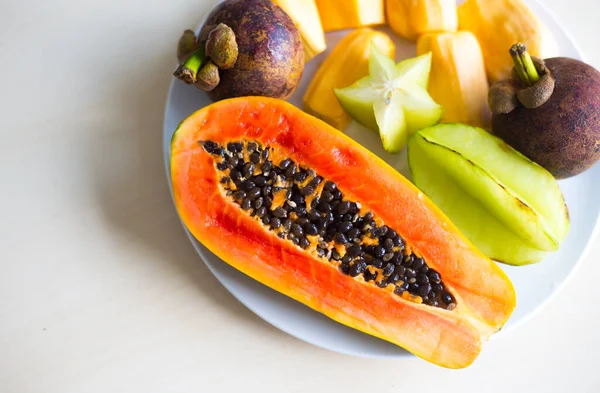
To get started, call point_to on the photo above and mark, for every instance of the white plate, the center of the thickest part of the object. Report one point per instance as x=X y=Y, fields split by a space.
x=534 y=284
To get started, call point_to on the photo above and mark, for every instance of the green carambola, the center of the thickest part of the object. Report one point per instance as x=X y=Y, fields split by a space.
x=392 y=99
x=509 y=207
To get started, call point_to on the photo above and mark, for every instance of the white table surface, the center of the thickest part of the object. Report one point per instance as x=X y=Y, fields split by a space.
x=101 y=291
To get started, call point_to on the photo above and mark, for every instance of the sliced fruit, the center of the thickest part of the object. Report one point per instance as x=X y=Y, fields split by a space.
x=410 y=19
x=498 y=25
x=305 y=15
x=392 y=99
x=347 y=62
x=348 y=14
x=470 y=175
x=413 y=279
x=457 y=80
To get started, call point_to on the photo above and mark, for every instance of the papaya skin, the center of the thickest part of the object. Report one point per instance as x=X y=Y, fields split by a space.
x=450 y=339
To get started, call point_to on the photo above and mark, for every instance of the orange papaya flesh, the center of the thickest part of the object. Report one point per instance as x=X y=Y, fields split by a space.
x=468 y=299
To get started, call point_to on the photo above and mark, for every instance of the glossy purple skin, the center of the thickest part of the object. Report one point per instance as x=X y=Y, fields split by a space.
x=563 y=135
x=271 y=55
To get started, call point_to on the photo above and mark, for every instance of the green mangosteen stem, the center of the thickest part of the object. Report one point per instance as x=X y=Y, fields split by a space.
x=188 y=70
x=524 y=65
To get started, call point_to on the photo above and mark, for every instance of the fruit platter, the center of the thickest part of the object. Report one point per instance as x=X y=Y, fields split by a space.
x=385 y=177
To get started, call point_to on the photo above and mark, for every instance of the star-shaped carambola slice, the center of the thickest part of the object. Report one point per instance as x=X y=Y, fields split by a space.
x=392 y=99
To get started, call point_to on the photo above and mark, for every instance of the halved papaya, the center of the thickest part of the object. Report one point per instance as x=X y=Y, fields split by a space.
x=297 y=205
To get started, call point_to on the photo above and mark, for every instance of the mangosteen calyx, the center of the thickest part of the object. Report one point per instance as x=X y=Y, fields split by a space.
x=186 y=45
x=202 y=57
x=221 y=46
x=531 y=86
x=208 y=77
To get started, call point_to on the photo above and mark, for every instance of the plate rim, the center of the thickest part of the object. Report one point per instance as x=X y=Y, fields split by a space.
x=201 y=250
